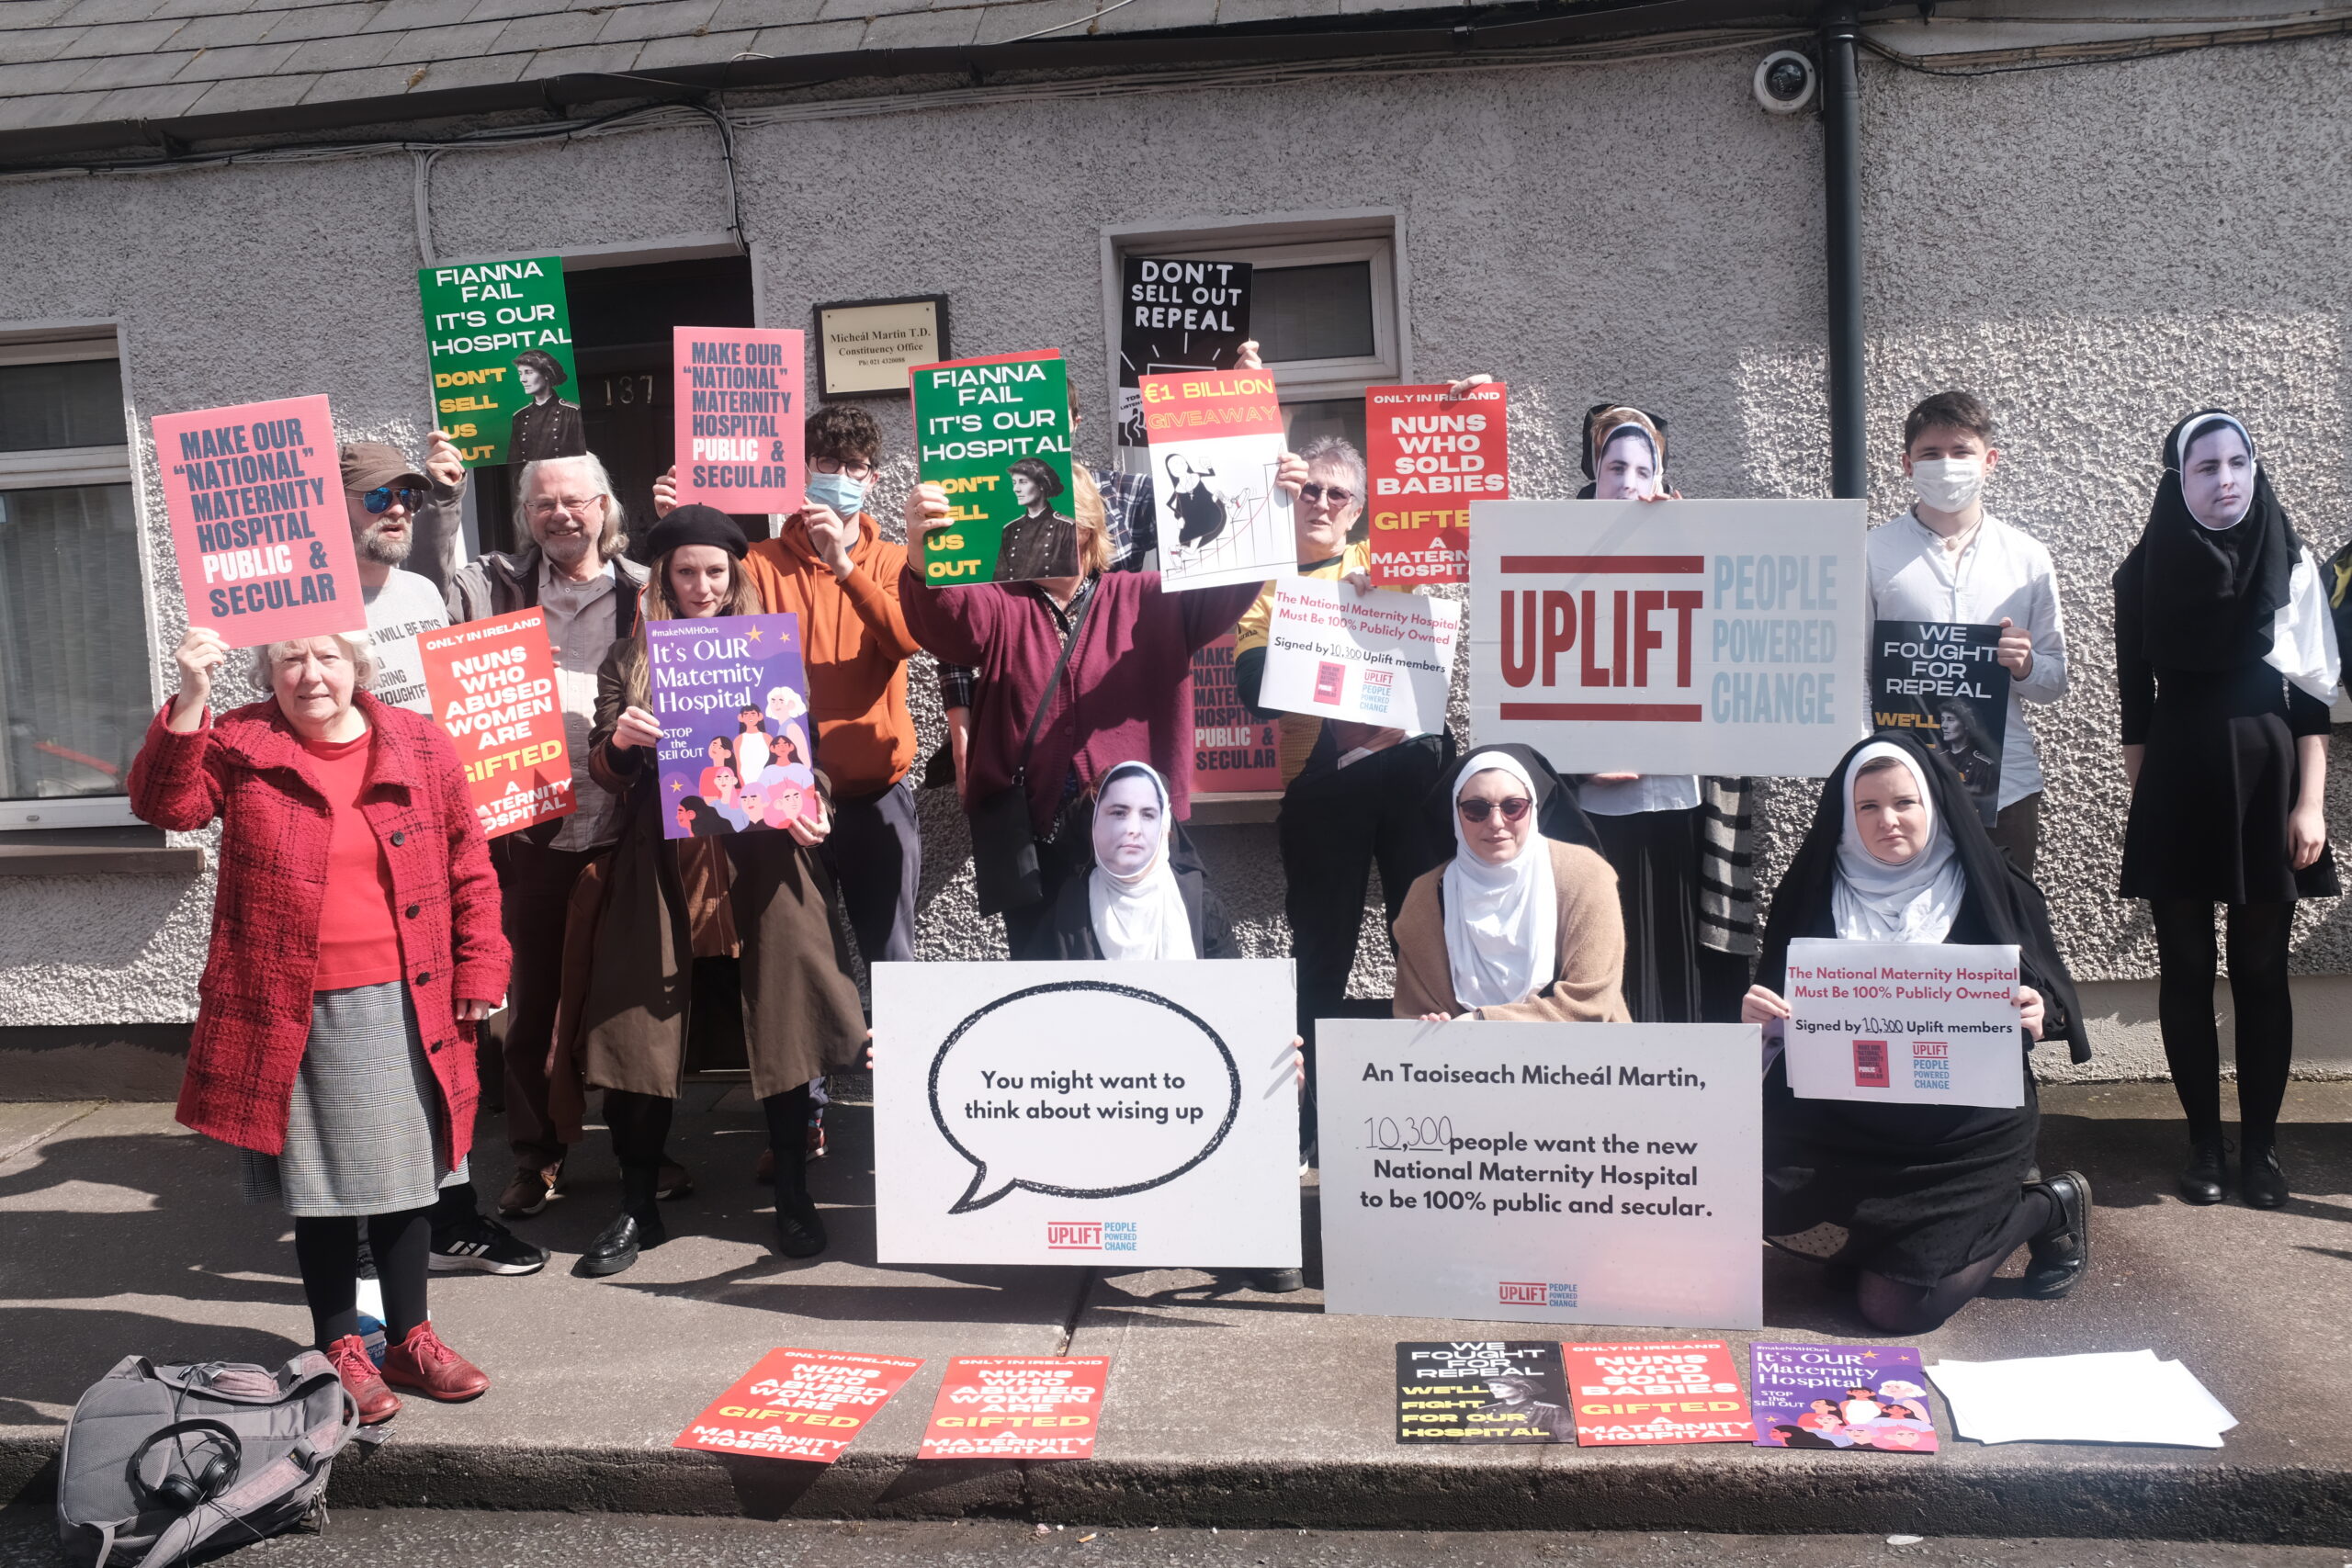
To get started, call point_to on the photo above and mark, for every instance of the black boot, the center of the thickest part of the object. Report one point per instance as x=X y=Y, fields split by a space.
x=638 y=1226
x=2202 y=1180
x=799 y=1232
x=2057 y=1260
x=2260 y=1181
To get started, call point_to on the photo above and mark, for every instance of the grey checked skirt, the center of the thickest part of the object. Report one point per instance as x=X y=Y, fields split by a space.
x=363 y=1133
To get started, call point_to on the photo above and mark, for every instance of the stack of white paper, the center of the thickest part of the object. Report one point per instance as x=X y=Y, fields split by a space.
x=2123 y=1396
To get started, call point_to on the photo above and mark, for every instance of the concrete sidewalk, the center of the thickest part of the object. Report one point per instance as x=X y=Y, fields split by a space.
x=124 y=1233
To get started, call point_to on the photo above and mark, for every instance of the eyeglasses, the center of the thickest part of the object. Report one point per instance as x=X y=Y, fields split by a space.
x=852 y=470
x=548 y=506
x=1315 y=492
x=1477 y=810
x=379 y=499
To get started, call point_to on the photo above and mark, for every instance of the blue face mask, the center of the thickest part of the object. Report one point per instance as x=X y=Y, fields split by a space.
x=843 y=494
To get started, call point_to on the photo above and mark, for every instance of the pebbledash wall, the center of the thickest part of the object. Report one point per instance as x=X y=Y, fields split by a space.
x=2097 y=249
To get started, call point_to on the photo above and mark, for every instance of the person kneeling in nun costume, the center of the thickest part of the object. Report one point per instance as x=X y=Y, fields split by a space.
x=1929 y=1199
x=1138 y=902
x=1523 y=924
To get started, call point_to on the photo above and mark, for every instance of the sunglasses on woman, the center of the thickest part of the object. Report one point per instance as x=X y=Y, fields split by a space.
x=1512 y=809
x=1311 y=493
x=379 y=499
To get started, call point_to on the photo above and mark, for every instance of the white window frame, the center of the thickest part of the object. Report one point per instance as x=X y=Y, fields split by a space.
x=1284 y=240
x=66 y=342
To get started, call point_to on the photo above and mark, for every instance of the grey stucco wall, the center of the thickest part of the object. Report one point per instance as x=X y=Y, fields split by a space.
x=2098 y=250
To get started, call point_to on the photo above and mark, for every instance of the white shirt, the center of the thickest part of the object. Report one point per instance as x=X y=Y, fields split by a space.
x=579 y=631
x=405 y=605
x=1651 y=792
x=2001 y=574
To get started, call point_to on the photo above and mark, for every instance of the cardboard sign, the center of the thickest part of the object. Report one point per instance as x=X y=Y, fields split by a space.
x=995 y=433
x=1215 y=446
x=1134 y=1114
x=1905 y=1023
x=734 y=702
x=1542 y=1172
x=491 y=685
x=486 y=327
x=739 y=417
x=1429 y=457
x=255 y=495
x=1017 y=1407
x=1176 y=315
x=1478 y=1392
x=798 y=1404
x=1944 y=685
x=1382 y=658
x=1670 y=637
x=1677 y=1392
x=1871 y=1397
x=1233 y=751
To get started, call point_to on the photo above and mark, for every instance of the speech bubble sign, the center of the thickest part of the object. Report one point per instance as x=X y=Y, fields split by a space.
x=1026 y=1084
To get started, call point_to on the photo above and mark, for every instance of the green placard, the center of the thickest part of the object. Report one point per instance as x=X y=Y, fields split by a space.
x=498 y=339
x=982 y=429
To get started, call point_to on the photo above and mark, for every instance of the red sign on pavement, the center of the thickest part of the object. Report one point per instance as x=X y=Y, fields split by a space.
x=1429 y=457
x=1678 y=1392
x=800 y=1404
x=255 y=495
x=1018 y=1408
x=491 y=685
x=739 y=420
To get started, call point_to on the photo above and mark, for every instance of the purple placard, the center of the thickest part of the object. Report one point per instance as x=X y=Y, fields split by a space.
x=1871 y=1397
x=732 y=700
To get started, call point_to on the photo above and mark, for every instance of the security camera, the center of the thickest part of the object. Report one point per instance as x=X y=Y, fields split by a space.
x=1785 y=81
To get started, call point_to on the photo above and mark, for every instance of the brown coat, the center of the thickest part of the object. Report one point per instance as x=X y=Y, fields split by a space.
x=1587 y=983
x=801 y=1014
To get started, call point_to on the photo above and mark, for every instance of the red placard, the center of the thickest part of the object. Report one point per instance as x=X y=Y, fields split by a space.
x=739 y=418
x=491 y=685
x=1429 y=457
x=1233 y=752
x=1682 y=1390
x=1018 y=1408
x=800 y=1404
x=255 y=495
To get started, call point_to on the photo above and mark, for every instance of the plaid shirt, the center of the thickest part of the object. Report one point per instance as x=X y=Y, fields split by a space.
x=1128 y=509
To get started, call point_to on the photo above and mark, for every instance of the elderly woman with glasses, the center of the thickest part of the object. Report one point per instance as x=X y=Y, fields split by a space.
x=1523 y=924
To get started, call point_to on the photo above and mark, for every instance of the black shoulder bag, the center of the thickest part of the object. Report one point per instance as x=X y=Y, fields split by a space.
x=1005 y=871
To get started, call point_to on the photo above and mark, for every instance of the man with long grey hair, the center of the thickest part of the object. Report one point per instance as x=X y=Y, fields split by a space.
x=574 y=572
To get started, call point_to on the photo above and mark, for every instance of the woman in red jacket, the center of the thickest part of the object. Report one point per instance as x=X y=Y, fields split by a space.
x=354 y=947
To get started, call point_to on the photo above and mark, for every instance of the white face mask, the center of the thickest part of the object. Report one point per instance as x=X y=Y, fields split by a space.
x=1948 y=484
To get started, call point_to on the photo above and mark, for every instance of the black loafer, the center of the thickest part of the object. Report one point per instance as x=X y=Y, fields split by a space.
x=2205 y=1177
x=799 y=1232
x=2059 y=1258
x=617 y=1244
x=2260 y=1181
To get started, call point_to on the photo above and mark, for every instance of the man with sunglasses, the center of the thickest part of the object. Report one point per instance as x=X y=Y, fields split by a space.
x=1353 y=793
x=392 y=503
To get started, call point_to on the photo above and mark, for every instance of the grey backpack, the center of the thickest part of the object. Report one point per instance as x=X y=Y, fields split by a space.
x=162 y=1463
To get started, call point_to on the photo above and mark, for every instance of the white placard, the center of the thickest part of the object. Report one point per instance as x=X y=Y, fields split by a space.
x=1905 y=1023
x=1670 y=637
x=1109 y=1113
x=1597 y=1173
x=1381 y=658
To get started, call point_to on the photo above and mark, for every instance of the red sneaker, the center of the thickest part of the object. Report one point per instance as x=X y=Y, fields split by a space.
x=421 y=1364
x=377 y=1403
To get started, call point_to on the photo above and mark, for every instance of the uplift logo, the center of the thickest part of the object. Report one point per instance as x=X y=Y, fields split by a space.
x=1074 y=1235
x=1534 y=1292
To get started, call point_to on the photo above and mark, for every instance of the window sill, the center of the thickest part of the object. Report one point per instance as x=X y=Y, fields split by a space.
x=1233 y=810
x=99 y=859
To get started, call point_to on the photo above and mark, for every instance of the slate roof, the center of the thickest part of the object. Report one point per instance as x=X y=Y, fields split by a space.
x=87 y=76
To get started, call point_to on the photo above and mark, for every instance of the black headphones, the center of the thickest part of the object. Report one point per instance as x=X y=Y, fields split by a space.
x=182 y=1494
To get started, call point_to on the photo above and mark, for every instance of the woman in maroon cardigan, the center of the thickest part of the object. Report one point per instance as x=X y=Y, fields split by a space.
x=356 y=945
x=1126 y=695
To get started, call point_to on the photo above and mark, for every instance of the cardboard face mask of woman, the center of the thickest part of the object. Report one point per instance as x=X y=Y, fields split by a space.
x=2217 y=476
x=1129 y=825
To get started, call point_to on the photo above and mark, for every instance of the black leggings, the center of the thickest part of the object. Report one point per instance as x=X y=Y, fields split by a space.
x=1893 y=1308
x=641 y=1124
x=2265 y=1012
x=326 y=1249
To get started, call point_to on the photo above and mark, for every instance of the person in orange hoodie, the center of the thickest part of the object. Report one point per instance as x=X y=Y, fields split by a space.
x=832 y=567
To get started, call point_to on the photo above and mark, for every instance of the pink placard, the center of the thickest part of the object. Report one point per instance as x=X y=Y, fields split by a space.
x=738 y=397
x=255 y=495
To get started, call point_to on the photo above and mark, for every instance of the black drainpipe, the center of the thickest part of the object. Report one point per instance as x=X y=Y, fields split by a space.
x=1841 y=157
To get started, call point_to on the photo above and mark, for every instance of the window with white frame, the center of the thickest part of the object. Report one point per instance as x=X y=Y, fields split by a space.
x=1323 y=306
x=74 y=700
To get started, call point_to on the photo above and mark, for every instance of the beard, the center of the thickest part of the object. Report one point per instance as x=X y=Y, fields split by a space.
x=373 y=545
